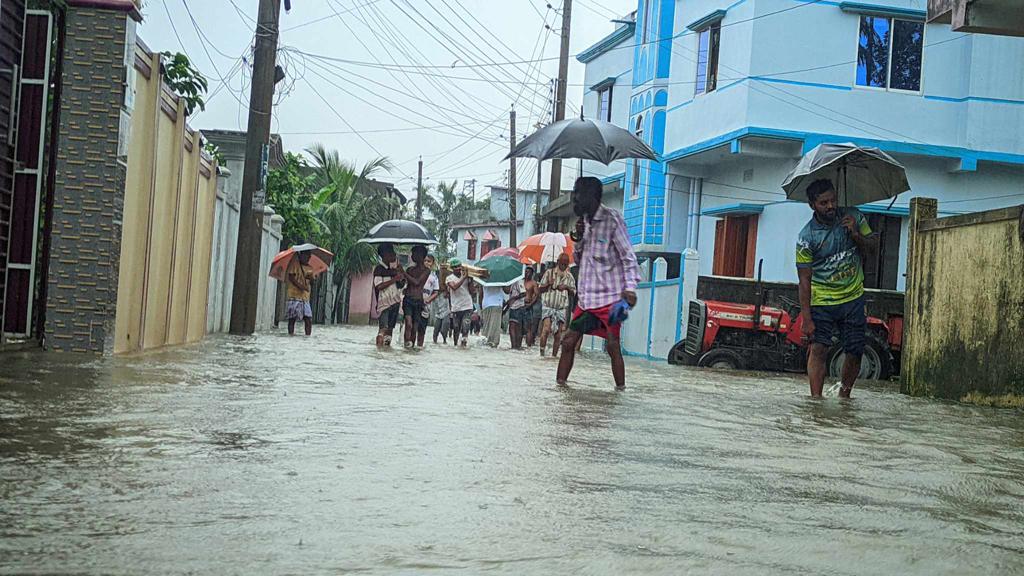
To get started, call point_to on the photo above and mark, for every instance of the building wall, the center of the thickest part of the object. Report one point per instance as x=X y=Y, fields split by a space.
x=360 y=301
x=89 y=195
x=169 y=200
x=615 y=63
x=965 y=317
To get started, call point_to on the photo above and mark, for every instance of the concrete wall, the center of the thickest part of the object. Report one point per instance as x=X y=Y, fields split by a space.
x=965 y=305
x=360 y=300
x=169 y=203
x=89 y=194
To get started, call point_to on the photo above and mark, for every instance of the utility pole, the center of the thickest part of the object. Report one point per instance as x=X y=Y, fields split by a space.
x=419 y=192
x=563 y=71
x=512 y=240
x=254 y=176
x=536 y=207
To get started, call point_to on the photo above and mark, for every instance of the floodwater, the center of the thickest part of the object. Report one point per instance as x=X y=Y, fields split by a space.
x=277 y=455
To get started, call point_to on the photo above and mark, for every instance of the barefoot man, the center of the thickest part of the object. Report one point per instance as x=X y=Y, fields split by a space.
x=556 y=286
x=828 y=262
x=608 y=274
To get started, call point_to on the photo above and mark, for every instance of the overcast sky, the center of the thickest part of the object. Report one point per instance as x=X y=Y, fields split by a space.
x=438 y=102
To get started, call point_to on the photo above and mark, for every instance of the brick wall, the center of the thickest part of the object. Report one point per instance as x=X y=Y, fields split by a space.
x=89 y=195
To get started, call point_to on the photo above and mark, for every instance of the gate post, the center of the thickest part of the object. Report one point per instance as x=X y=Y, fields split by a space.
x=920 y=209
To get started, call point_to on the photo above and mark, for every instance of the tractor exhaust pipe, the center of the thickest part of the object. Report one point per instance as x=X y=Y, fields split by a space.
x=758 y=295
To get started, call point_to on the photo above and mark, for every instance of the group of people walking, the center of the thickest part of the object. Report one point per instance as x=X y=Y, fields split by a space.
x=558 y=307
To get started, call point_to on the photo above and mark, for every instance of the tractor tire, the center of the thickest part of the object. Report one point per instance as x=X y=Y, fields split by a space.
x=721 y=359
x=875 y=364
x=678 y=356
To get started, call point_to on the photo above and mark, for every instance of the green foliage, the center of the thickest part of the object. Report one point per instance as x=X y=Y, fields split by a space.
x=291 y=191
x=214 y=151
x=185 y=80
x=446 y=206
x=346 y=207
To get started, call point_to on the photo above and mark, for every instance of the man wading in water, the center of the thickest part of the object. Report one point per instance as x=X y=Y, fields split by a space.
x=828 y=262
x=414 y=305
x=608 y=276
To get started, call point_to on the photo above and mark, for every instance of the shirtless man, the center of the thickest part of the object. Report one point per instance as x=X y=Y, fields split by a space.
x=412 y=305
x=532 y=295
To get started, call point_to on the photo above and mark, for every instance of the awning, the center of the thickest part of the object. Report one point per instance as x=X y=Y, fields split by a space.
x=490 y=235
x=733 y=210
x=469 y=235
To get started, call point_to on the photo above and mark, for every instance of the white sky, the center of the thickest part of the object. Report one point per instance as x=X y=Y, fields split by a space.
x=464 y=109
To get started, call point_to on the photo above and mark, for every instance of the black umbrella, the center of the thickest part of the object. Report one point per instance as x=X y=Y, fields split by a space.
x=399 y=232
x=583 y=138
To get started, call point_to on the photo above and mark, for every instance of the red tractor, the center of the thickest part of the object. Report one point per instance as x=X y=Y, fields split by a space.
x=757 y=337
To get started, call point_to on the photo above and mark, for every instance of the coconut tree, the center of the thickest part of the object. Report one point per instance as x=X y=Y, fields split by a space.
x=347 y=206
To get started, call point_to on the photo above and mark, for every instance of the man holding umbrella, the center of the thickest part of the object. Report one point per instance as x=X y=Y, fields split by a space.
x=608 y=278
x=829 y=254
x=299 y=275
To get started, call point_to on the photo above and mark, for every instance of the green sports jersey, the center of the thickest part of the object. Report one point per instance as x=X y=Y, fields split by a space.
x=837 y=274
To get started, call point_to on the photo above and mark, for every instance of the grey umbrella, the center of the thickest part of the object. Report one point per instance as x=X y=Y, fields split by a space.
x=860 y=175
x=583 y=138
x=399 y=232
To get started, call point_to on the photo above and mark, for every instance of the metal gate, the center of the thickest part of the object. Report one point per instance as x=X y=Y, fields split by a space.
x=33 y=95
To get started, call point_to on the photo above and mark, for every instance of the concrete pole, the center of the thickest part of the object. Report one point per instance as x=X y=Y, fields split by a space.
x=512 y=240
x=250 y=226
x=560 y=85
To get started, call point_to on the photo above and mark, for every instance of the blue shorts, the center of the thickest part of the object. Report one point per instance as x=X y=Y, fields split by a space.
x=848 y=322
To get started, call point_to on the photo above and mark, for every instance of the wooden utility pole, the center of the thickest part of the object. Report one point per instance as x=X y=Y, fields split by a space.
x=512 y=240
x=560 y=84
x=254 y=176
x=419 y=191
x=536 y=207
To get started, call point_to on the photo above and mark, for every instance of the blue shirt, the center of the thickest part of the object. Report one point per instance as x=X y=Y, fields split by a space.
x=837 y=273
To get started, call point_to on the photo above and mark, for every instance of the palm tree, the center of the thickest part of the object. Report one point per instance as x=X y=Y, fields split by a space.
x=442 y=206
x=347 y=206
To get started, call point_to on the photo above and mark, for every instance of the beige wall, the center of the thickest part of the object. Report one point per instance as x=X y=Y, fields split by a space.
x=965 y=305
x=168 y=208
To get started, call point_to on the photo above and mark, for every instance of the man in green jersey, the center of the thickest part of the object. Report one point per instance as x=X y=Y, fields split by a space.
x=828 y=262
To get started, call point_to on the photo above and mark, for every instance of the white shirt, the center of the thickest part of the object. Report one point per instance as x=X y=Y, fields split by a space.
x=461 y=300
x=432 y=285
x=517 y=289
x=493 y=296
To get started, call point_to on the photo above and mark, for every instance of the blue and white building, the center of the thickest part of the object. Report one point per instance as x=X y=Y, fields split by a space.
x=731 y=93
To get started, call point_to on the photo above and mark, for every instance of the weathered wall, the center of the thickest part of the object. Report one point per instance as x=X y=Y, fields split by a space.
x=965 y=304
x=168 y=229
x=89 y=194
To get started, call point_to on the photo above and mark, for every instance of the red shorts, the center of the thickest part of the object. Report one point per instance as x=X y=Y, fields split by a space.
x=594 y=322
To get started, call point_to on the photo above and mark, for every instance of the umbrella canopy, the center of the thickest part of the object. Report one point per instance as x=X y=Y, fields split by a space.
x=319 y=260
x=509 y=251
x=501 y=271
x=547 y=247
x=860 y=175
x=399 y=232
x=584 y=138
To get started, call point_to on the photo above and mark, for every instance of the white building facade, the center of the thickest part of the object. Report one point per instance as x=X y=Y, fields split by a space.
x=732 y=93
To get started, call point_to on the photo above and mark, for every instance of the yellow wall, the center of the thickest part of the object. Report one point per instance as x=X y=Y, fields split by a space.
x=168 y=224
x=965 y=305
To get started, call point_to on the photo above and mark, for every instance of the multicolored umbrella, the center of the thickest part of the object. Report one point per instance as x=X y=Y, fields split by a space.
x=547 y=247
x=501 y=271
x=319 y=260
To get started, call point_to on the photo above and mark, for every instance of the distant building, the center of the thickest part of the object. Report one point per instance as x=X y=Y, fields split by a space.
x=479 y=231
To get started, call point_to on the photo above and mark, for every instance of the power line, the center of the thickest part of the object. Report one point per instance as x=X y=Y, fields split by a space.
x=329 y=16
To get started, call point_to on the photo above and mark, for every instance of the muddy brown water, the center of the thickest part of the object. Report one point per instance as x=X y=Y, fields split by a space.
x=277 y=455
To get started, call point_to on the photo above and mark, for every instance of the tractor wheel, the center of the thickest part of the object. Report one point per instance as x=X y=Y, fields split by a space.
x=721 y=359
x=875 y=364
x=679 y=357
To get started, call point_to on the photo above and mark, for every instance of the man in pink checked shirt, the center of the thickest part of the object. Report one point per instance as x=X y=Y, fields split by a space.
x=608 y=274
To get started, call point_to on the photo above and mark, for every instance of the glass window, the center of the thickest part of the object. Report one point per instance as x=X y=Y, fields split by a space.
x=707 y=58
x=907 y=42
x=604 y=106
x=889 y=53
x=648 y=16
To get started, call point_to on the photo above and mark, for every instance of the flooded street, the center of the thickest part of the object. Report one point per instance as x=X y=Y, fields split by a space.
x=277 y=455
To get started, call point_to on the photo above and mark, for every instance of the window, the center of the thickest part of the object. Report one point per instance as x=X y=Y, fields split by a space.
x=707 y=58
x=636 y=162
x=471 y=250
x=881 y=266
x=889 y=53
x=488 y=246
x=735 y=246
x=648 y=16
x=604 y=104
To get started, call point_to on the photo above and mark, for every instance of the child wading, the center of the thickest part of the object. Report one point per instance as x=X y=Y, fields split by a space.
x=388 y=281
x=299 y=277
x=413 y=305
